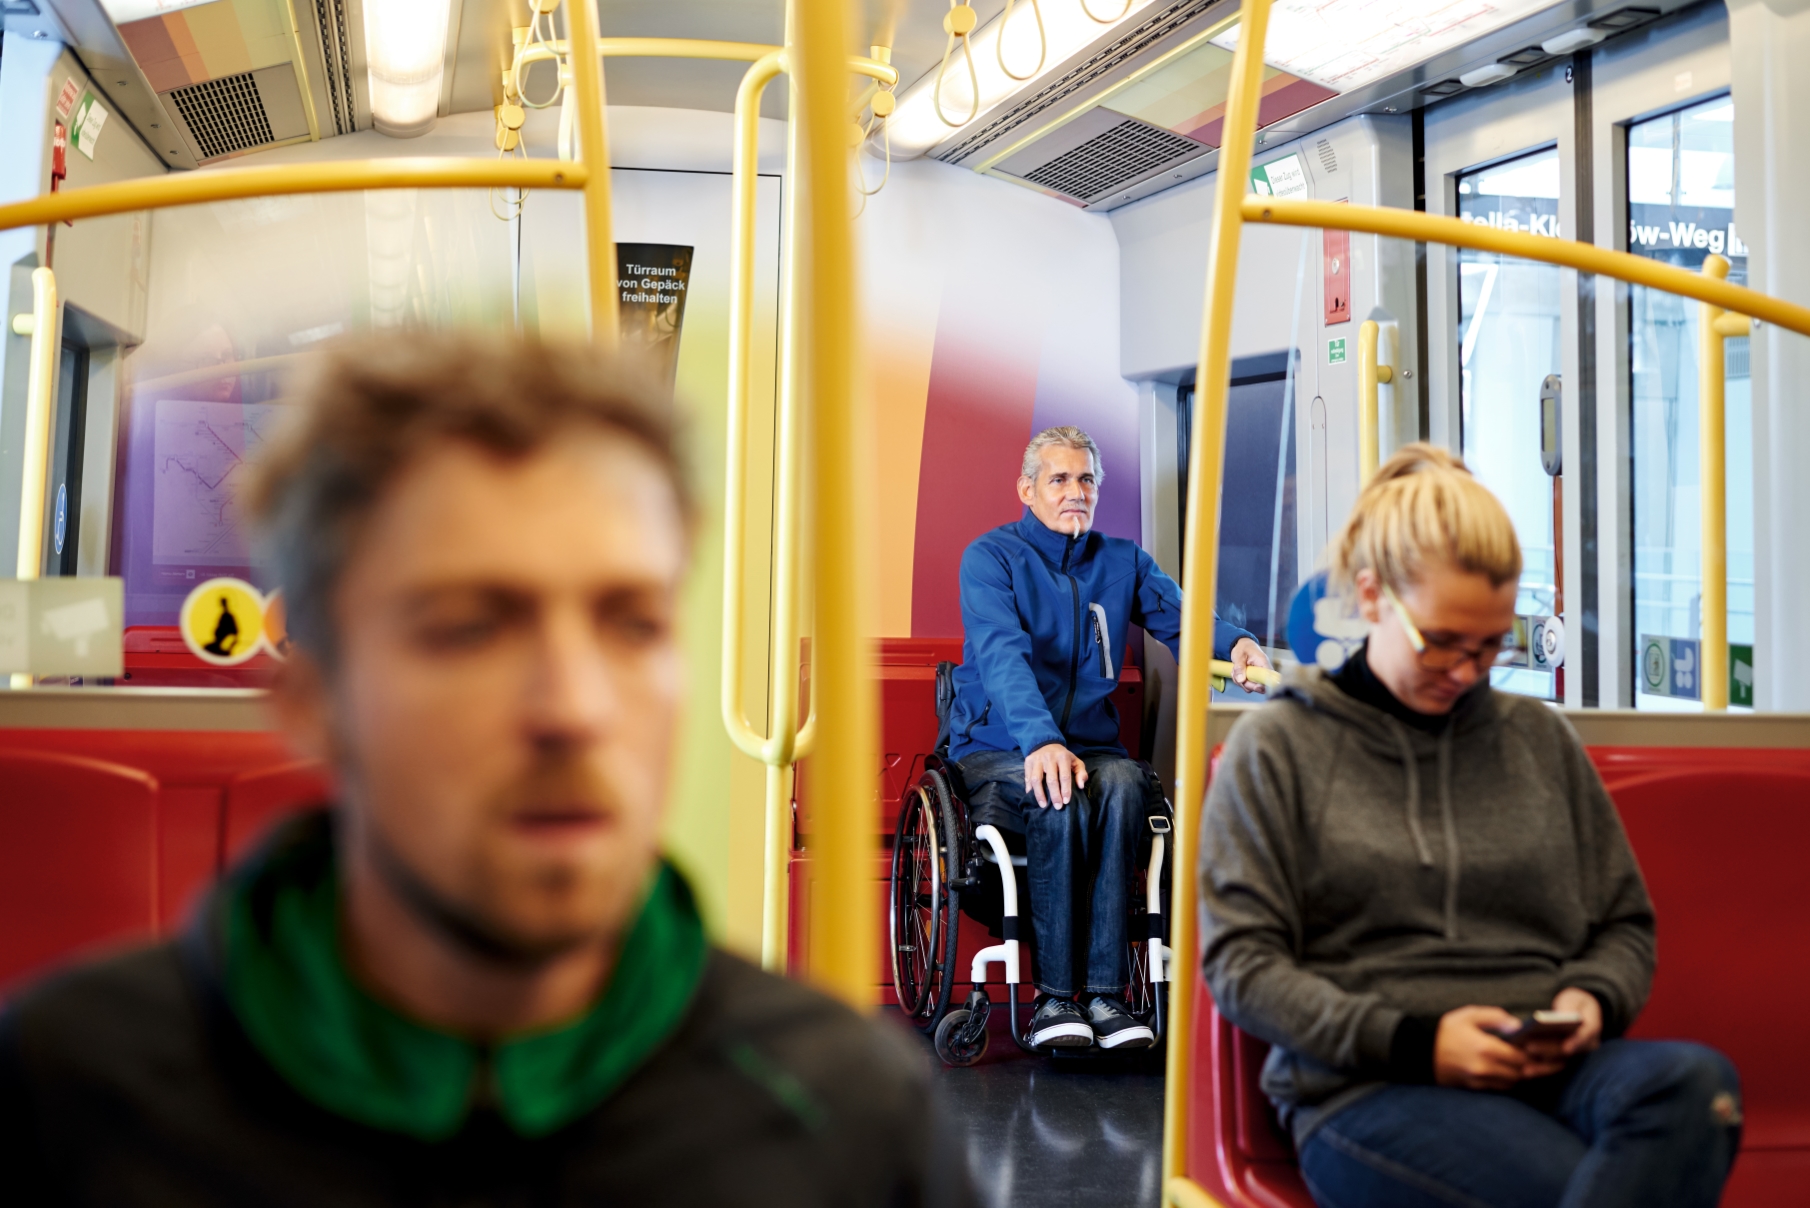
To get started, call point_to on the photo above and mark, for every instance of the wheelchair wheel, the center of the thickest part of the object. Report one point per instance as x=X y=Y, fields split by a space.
x=954 y=1044
x=923 y=907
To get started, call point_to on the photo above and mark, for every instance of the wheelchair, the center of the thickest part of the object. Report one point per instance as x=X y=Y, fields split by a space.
x=944 y=866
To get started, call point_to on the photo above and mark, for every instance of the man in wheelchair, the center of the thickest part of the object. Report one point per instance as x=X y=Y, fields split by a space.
x=1046 y=605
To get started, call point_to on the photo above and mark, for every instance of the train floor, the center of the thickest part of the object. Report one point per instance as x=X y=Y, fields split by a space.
x=1086 y=1132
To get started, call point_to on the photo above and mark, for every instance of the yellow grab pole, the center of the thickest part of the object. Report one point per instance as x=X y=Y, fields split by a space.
x=845 y=764
x=741 y=337
x=342 y=176
x=1200 y=565
x=594 y=150
x=1585 y=257
x=40 y=401
x=1370 y=374
x=1712 y=446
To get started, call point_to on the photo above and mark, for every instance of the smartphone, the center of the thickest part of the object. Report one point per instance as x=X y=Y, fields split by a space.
x=1541 y=1025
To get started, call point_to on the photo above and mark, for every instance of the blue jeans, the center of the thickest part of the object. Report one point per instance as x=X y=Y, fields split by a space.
x=1638 y=1122
x=1079 y=860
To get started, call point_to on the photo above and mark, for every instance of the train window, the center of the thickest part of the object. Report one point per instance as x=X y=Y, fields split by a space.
x=1508 y=342
x=1681 y=197
x=1257 y=559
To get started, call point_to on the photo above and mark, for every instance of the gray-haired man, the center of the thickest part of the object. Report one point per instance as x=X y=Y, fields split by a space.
x=1046 y=605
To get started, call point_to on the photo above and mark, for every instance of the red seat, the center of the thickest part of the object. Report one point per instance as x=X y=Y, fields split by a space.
x=1721 y=847
x=256 y=801
x=78 y=858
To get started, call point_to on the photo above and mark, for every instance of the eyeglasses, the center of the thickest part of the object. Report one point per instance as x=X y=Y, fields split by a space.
x=1444 y=655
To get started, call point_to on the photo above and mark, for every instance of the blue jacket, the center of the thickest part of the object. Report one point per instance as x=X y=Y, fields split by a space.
x=1034 y=669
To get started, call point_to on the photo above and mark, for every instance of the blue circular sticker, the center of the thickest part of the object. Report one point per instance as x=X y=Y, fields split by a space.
x=62 y=521
x=1322 y=630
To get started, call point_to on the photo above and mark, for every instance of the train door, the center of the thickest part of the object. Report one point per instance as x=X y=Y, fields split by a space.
x=1503 y=331
x=1663 y=130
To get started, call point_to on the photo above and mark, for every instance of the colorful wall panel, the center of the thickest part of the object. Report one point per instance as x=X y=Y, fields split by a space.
x=991 y=312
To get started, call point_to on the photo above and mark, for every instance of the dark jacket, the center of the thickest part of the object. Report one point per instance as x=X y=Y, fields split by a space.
x=132 y=1082
x=1358 y=873
x=1035 y=667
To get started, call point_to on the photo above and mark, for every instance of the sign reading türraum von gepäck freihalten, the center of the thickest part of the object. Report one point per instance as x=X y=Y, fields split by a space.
x=654 y=279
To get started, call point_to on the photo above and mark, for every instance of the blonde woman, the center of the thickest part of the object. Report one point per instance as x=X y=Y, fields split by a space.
x=1399 y=866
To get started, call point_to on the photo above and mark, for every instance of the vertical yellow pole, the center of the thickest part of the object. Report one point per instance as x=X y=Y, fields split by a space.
x=40 y=401
x=594 y=150
x=1200 y=565
x=845 y=765
x=1712 y=473
x=1370 y=375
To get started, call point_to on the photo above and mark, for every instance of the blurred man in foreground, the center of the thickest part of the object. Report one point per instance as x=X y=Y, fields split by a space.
x=475 y=981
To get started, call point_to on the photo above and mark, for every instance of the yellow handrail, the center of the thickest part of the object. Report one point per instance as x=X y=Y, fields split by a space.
x=210 y=373
x=1206 y=464
x=594 y=149
x=697 y=48
x=42 y=325
x=1370 y=374
x=1585 y=257
x=1715 y=325
x=339 y=176
x=844 y=907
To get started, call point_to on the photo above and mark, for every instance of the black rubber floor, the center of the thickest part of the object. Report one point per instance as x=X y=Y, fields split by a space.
x=1059 y=1132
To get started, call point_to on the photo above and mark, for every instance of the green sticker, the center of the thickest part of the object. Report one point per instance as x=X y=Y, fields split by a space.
x=1740 y=675
x=1335 y=351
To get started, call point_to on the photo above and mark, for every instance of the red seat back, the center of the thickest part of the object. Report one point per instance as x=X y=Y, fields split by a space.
x=256 y=801
x=1723 y=853
x=78 y=858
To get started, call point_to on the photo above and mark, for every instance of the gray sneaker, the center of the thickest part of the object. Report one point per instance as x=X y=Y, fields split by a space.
x=1059 y=1023
x=1114 y=1026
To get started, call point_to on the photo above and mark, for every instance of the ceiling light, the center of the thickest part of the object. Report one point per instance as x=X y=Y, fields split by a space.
x=405 y=46
x=915 y=128
x=1489 y=73
x=1346 y=44
x=1573 y=39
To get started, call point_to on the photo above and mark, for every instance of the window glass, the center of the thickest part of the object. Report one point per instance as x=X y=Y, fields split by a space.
x=1681 y=197
x=1508 y=343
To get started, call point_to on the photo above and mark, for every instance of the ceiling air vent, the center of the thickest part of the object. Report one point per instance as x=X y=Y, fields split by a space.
x=1166 y=20
x=1099 y=154
x=224 y=115
x=236 y=113
x=1328 y=160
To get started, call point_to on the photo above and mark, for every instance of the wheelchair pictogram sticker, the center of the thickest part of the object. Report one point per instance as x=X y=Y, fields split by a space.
x=222 y=621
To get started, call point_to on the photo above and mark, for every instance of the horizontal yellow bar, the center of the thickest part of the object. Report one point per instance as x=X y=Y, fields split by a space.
x=343 y=176
x=1257 y=675
x=213 y=373
x=696 y=48
x=1435 y=228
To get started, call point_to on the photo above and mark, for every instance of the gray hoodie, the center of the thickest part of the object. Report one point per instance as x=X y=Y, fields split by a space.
x=1354 y=870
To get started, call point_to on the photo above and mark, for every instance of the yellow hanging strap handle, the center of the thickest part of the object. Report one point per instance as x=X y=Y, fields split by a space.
x=1715 y=326
x=958 y=23
x=1205 y=470
x=1370 y=375
x=1118 y=16
x=1043 y=41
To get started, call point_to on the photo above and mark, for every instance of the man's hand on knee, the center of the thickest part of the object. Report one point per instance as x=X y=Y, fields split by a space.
x=1052 y=773
x=1246 y=654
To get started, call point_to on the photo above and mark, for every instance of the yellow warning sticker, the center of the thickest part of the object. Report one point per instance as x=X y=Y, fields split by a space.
x=223 y=621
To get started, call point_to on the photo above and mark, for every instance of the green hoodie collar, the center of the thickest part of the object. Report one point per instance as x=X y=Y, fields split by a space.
x=287 y=982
